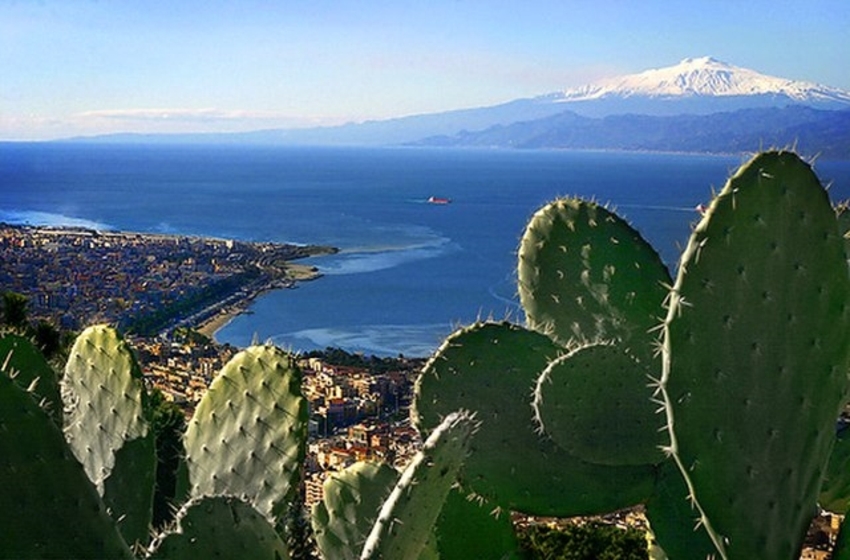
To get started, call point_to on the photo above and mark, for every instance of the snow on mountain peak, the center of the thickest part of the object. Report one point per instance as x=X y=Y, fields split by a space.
x=704 y=76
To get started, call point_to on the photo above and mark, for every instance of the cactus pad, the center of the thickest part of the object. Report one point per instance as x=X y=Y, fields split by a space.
x=20 y=359
x=107 y=428
x=349 y=508
x=48 y=506
x=584 y=274
x=673 y=519
x=756 y=356
x=596 y=402
x=468 y=528
x=247 y=437
x=491 y=369
x=219 y=527
x=104 y=393
x=406 y=520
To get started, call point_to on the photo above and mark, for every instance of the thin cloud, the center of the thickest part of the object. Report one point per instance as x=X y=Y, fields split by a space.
x=203 y=115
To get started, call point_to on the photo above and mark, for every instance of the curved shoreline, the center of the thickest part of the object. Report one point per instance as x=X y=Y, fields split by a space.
x=228 y=311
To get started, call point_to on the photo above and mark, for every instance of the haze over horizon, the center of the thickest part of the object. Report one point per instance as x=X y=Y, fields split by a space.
x=82 y=67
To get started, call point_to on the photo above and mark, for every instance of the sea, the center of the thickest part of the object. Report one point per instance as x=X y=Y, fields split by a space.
x=408 y=272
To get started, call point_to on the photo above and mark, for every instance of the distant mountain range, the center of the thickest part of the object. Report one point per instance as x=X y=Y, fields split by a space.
x=700 y=104
x=809 y=131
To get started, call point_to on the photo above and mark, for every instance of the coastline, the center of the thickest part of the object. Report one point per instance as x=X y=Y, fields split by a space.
x=147 y=284
x=225 y=311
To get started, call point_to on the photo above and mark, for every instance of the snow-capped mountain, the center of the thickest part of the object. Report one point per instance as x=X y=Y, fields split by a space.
x=697 y=85
x=698 y=105
x=705 y=76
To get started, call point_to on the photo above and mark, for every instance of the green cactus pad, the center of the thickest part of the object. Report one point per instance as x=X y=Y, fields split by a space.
x=248 y=435
x=674 y=520
x=584 y=274
x=756 y=356
x=128 y=492
x=467 y=528
x=105 y=415
x=835 y=489
x=20 y=359
x=596 y=402
x=406 y=520
x=48 y=506
x=104 y=394
x=219 y=527
x=349 y=508
x=491 y=369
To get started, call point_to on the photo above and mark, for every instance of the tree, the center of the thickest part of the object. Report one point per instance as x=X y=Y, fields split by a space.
x=592 y=541
x=15 y=310
x=48 y=339
x=168 y=424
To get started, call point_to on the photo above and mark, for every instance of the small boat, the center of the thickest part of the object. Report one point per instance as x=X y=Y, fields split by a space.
x=438 y=200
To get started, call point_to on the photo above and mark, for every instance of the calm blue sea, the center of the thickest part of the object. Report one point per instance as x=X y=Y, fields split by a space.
x=408 y=271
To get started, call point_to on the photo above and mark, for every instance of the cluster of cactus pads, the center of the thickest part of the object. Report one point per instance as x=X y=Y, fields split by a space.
x=77 y=463
x=711 y=399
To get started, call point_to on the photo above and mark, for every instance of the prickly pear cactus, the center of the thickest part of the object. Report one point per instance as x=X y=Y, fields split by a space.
x=248 y=435
x=755 y=357
x=107 y=428
x=595 y=402
x=406 y=520
x=670 y=514
x=491 y=369
x=21 y=360
x=219 y=527
x=468 y=528
x=584 y=274
x=48 y=506
x=349 y=508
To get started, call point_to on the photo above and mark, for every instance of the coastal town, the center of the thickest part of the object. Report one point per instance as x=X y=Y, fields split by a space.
x=142 y=283
x=169 y=294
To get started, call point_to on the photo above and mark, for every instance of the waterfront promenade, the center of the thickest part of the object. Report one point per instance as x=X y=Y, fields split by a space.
x=142 y=282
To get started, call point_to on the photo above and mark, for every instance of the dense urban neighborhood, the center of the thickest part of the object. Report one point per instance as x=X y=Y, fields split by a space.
x=143 y=283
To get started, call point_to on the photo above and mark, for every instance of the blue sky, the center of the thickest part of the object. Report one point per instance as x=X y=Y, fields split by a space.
x=71 y=67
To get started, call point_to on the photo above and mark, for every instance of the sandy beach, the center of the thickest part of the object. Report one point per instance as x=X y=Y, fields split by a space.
x=209 y=327
x=226 y=313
